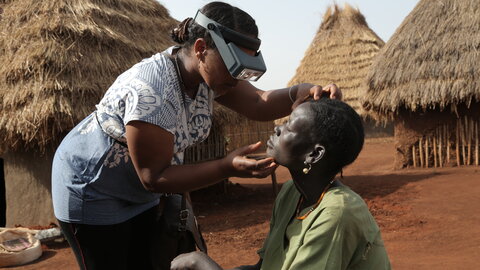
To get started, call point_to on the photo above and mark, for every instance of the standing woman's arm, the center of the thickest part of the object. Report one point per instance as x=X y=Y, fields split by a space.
x=261 y=105
x=151 y=150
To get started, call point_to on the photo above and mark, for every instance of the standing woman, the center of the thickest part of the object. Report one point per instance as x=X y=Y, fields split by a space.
x=110 y=170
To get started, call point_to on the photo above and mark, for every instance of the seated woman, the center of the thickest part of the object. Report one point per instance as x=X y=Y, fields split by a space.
x=317 y=222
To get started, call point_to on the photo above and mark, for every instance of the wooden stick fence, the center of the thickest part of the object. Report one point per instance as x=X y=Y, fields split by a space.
x=219 y=143
x=435 y=149
x=212 y=148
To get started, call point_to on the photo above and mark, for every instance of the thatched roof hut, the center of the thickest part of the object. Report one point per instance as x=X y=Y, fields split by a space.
x=57 y=60
x=59 y=57
x=431 y=61
x=426 y=78
x=341 y=52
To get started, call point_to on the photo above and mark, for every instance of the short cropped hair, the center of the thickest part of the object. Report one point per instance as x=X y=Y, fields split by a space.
x=340 y=130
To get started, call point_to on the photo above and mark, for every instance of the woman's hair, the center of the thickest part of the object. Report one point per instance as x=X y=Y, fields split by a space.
x=339 y=129
x=232 y=17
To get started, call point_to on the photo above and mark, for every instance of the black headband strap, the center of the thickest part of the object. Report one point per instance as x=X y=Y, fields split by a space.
x=227 y=33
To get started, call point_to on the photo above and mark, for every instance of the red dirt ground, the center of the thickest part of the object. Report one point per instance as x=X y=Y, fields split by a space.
x=428 y=217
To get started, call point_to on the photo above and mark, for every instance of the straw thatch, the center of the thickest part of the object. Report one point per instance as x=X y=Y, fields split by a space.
x=59 y=57
x=425 y=78
x=430 y=62
x=341 y=53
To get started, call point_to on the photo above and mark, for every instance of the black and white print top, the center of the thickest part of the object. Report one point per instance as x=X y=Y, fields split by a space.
x=93 y=178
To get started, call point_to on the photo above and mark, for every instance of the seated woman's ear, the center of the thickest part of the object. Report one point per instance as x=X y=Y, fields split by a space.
x=316 y=155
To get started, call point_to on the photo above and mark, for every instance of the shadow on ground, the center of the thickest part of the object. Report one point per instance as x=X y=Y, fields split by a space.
x=253 y=203
x=371 y=186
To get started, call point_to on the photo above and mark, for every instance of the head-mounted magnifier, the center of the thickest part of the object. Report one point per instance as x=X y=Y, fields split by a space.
x=241 y=65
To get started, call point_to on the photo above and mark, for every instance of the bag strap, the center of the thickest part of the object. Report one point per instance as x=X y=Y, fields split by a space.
x=184 y=214
x=184 y=211
x=186 y=207
x=177 y=71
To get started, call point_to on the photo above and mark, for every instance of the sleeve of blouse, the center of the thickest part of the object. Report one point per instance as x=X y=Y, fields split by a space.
x=152 y=98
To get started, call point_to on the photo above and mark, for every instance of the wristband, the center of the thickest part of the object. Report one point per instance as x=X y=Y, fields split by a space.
x=290 y=94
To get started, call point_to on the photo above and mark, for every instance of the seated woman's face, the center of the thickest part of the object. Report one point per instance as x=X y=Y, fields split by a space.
x=293 y=140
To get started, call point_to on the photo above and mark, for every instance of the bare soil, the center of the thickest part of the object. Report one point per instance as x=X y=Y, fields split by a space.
x=428 y=217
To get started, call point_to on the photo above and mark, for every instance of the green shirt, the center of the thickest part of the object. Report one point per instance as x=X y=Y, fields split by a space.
x=339 y=234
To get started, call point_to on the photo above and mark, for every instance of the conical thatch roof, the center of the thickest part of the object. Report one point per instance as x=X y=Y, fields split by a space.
x=431 y=61
x=61 y=56
x=341 y=52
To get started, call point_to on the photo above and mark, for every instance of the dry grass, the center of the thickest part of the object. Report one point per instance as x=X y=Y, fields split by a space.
x=430 y=62
x=59 y=57
x=341 y=52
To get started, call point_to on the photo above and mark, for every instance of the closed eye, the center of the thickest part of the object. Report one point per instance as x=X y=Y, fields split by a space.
x=287 y=126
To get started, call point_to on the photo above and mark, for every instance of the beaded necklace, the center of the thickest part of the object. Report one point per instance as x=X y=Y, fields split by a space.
x=297 y=211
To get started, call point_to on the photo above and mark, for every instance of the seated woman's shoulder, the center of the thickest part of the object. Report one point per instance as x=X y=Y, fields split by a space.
x=346 y=204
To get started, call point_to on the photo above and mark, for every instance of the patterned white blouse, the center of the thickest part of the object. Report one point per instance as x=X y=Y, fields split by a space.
x=93 y=178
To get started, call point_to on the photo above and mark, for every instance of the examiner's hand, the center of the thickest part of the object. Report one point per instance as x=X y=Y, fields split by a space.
x=196 y=260
x=239 y=165
x=307 y=90
x=331 y=90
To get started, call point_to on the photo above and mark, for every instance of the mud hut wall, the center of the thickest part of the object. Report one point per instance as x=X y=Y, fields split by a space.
x=438 y=138
x=28 y=188
x=374 y=129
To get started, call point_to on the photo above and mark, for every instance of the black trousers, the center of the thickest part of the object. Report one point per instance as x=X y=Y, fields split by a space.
x=120 y=246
